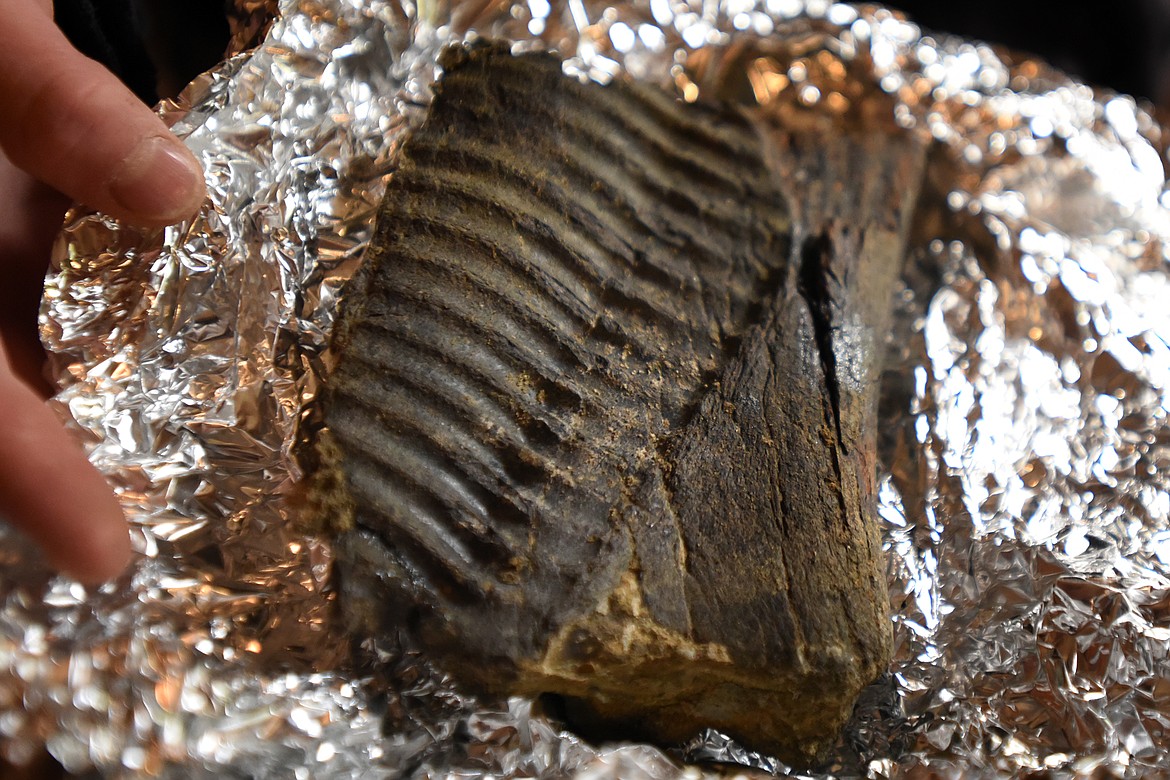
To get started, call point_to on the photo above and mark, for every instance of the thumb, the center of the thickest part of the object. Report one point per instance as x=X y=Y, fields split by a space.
x=70 y=123
x=49 y=490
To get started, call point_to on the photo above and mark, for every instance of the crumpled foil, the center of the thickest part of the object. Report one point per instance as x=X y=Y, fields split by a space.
x=1025 y=455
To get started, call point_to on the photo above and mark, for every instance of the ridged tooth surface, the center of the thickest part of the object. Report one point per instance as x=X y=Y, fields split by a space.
x=551 y=294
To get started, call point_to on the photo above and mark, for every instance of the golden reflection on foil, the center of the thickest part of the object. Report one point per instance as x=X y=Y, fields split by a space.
x=687 y=88
x=767 y=79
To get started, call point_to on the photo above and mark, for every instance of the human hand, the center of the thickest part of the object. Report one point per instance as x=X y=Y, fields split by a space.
x=69 y=123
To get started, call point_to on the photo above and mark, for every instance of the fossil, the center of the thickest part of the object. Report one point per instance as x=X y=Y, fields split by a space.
x=601 y=425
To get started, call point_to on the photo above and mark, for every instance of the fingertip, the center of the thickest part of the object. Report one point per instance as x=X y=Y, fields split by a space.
x=95 y=546
x=159 y=183
x=50 y=490
x=106 y=556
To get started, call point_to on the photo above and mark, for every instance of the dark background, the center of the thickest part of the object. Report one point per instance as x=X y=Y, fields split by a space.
x=1123 y=45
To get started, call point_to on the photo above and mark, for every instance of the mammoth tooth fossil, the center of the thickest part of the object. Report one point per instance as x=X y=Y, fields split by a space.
x=602 y=419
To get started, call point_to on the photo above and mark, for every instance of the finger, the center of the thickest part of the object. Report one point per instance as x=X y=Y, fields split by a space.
x=31 y=221
x=50 y=491
x=69 y=122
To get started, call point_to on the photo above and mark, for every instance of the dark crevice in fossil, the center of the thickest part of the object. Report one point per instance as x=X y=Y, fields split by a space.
x=814 y=288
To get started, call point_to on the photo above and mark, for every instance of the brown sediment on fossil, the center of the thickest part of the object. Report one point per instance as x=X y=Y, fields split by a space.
x=602 y=420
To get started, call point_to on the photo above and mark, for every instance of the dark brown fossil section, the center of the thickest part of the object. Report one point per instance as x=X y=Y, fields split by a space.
x=602 y=419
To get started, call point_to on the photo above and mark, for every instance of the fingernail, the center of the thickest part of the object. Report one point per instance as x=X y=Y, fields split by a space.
x=158 y=182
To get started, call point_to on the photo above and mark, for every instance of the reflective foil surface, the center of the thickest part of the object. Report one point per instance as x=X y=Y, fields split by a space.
x=1024 y=497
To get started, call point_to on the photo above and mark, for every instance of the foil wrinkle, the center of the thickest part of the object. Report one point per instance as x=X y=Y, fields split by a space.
x=1024 y=494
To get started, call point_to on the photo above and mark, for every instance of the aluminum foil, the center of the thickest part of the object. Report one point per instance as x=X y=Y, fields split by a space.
x=1024 y=484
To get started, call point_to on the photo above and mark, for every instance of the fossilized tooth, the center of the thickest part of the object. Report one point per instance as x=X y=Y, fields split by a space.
x=601 y=423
